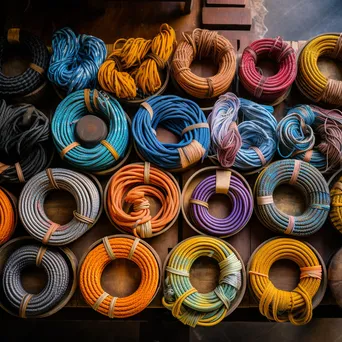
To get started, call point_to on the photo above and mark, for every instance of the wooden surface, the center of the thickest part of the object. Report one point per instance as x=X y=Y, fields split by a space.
x=228 y=3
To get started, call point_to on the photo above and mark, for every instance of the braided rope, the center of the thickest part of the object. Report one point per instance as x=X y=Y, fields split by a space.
x=31 y=206
x=186 y=304
x=307 y=179
x=202 y=44
x=7 y=217
x=97 y=260
x=279 y=305
x=75 y=60
x=177 y=115
x=336 y=205
x=56 y=269
x=24 y=134
x=31 y=79
x=105 y=154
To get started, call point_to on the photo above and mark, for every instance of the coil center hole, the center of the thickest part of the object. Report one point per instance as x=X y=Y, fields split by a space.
x=284 y=274
x=267 y=66
x=121 y=278
x=16 y=60
x=220 y=206
x=204 y=274
x=59 y=206
x=204 y=67
x=33 y=279
x=330 y=68
x=167 y=137
x=289 y=199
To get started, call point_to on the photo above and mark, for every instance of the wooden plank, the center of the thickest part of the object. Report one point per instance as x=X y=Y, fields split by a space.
x=226 y=3
x=226 y=18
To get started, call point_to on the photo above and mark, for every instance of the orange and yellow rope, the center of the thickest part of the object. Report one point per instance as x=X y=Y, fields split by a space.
x=336 y=205
x=7 y=217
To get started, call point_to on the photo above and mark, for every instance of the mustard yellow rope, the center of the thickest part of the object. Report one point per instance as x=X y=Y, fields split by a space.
x=310 y=80
x=336 y=205
x=278 y=305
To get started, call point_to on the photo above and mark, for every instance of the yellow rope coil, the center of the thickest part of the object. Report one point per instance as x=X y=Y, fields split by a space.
x=336 y=205
x=310 y=80
x=278 y=305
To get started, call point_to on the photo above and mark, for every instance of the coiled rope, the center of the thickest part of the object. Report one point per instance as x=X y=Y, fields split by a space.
x=24 y=136
x=31 y=79
x=268 y=89
x=133 y=68
x=75 y=60
x=7 y=217
x=31 y=206
x=96 y=261
x=297 y=133
x=186 y=304
x=203 y=44
x=258 y=133
x=129 y=186
x=279 y=305
x=105 y=154
x=238 y=194
x=306 y=178
x=183 y=118
x=310 y=80
x=56 y=269
x=336 y=205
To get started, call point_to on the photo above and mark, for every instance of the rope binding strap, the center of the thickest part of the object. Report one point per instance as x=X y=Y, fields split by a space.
x=272 y=88
x=307 y=179
x=32 y=78
x=203 y=44
x=181 y=117
x=106 y=152
x=58 y=277
x=24 y=142
x=311 y=82
x=99 y=257
x=31 y=206
x=184 y=301
x=278 y=305
x=130 y=188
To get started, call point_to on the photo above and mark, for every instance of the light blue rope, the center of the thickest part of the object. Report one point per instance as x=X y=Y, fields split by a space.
x=75 y=60
x=73 y=108
x=257 y=129
x=174 y=114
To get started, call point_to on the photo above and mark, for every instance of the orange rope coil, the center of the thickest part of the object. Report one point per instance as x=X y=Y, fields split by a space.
x=127 y=190
x=7 y=217
x=134 y=64
x=203 y=44
x=96 y=261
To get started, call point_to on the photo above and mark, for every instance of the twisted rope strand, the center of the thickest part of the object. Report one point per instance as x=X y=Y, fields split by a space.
x=7 y=217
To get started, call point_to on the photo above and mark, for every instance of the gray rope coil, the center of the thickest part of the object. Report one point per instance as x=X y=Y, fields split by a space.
x=306 y=178
x=57 y=271
x=31 y=206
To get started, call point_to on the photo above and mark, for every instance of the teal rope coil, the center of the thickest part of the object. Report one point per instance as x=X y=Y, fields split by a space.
x=75 y=60
x=307 y=179
x=105 y=154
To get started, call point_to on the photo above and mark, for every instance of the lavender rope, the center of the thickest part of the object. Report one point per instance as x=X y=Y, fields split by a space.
x=242 y=207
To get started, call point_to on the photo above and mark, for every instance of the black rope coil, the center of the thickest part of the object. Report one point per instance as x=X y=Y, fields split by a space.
x=28 y=81
x=57 y=271
x=24 y=142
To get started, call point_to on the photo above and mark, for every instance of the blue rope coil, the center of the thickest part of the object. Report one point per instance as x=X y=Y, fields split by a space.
x=306 y=178
x=258 y=133
x=105 y=154
x=75 y=60
x=182 y=117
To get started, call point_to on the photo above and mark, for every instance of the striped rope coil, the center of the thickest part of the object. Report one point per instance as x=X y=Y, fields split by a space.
x=108 y=151
x=128 y=188
x=298 y=132
x=75 y=60
x=35 y=220
x=31 y=79
x=279 y=305
x=186 y=304
x=336 y=205
x=7 y=217
x=182 y=117
x=310 y=80
x=307 y=179
x=268 y=89
x=24 y=142
x=119 y=247
x=58 y=277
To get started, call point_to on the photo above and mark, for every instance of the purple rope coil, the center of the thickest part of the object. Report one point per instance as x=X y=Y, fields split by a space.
x=239 y=196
